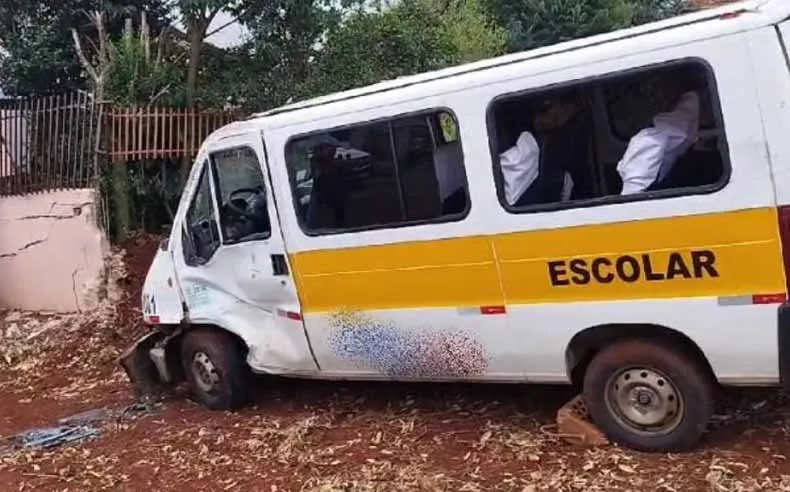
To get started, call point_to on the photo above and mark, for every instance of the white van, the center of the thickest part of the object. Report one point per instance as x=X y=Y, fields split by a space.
x=608 y=212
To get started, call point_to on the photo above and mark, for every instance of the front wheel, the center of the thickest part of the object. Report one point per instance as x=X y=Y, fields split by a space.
x=649 y=396
x=215 y=369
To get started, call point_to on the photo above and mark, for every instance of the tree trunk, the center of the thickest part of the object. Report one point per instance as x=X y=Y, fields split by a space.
x=120 y=193
x=196 y=32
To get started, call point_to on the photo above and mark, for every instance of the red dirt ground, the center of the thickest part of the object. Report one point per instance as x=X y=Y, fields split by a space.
x=330 y=436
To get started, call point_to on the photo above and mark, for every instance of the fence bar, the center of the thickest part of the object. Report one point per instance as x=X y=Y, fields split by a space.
x=12 y=116
x=50 y=140
x=24 y=143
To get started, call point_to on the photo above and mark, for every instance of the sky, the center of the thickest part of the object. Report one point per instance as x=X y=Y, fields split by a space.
x=229 y=36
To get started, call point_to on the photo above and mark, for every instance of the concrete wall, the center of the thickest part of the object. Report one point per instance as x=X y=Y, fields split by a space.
x=51 y=251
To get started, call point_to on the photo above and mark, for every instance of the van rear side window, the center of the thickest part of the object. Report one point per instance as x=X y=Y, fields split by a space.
x=405 y=171
x=650 y=133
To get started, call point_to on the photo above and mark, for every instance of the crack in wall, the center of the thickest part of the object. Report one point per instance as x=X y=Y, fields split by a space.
x=25 y=247
x=76 y=211
x=74 y=277
x=39 y=231
x=74 y=287
x=56 y=217
x=51 y=227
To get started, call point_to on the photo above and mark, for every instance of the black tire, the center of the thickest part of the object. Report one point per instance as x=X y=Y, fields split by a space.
x=215 y=369
x=667 y=383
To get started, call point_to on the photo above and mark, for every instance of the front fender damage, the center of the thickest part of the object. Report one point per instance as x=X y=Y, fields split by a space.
x=147 y=364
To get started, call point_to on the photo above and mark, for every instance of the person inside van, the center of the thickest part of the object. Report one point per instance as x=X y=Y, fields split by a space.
x=549 y=165
x=652 y=153
x=329 y=188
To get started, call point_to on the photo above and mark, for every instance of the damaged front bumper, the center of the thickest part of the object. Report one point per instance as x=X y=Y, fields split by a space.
x=147 y=363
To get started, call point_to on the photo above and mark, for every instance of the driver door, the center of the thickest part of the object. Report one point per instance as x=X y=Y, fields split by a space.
x=231 y=261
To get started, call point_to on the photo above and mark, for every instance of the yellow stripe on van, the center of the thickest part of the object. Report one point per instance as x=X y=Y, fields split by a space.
x=722 y=254
x=444 y=273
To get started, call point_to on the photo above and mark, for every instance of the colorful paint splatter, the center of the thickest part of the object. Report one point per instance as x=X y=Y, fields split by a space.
x=420 y=353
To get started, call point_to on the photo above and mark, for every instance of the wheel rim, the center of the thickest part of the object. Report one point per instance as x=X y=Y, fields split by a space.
x=645 y=401
x=205 y=372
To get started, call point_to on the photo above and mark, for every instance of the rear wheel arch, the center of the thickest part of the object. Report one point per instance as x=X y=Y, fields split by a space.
x=588 y=342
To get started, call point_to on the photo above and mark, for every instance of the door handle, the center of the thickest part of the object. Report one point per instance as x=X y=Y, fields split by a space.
x=279 y=265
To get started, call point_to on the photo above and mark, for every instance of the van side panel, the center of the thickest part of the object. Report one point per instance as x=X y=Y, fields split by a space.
x=387 y=307
x=714 y=255
x=422 y=302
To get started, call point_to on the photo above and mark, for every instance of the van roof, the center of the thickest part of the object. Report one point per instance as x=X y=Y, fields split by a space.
x=775 y=11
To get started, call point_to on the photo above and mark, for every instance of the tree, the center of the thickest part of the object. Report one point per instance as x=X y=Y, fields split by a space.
x=38 y=55
x=371 y=46
x=277 y=62
x=471 y=29
x=534 y=23
x=653 y=10
x=197 y=16
x=145 y=69
x=410 y=37
x=139 y=69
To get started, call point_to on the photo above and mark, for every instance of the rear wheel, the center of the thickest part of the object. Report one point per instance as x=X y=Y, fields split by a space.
x=215 y=369
x=649 y=396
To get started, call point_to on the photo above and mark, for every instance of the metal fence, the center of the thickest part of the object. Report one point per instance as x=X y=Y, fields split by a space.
x=137 y=134
x=47 y=143
x=55 y=142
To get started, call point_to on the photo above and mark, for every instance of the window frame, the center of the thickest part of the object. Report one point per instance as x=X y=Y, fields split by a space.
x=722 y=144
x=387 y=120
x=205 y=171
x=217 y=192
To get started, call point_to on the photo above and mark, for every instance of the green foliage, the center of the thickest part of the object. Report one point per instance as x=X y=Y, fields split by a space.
x=371 y=46
x=145 y=70
x=534 y=23
x=275 y=63
x=151 y=191
x=413 y=36
x=36 y=61
x=653 y=10
x=202 y=8
x=471 y=29
x=39 y=56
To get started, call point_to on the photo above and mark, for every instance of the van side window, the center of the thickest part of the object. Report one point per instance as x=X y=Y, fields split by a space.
x=625 y=136
x=200 y=236
x=404 y=171
x=241 y=195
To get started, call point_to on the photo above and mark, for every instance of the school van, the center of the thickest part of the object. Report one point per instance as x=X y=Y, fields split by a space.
x=611 y=212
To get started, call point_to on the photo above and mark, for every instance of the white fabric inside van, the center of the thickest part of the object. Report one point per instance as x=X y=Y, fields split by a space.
x=448 y=160
x=652 y=152
x=520 y=166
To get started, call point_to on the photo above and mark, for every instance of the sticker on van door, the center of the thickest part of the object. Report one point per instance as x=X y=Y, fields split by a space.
x=196 y=295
